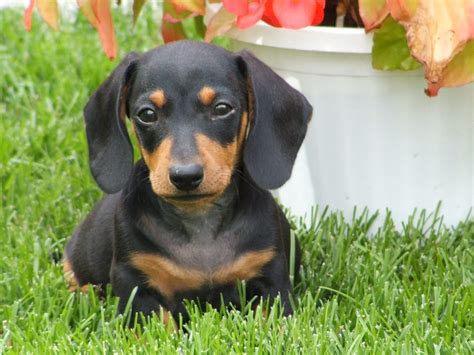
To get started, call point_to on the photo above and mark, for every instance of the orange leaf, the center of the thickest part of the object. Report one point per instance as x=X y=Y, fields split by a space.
x=105 y=26
x=174 y=15
x=373 y=12
x=194 y=6
x=459 y=71
x=402 y=10
x=219 y=24
x=437 y=30
x=48 y=10
x=28 y=15
x=88 y=11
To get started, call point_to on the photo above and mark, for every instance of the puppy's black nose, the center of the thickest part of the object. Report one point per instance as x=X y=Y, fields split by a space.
x=186 y=177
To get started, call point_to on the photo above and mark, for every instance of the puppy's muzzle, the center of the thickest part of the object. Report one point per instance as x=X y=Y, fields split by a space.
x=186 y=177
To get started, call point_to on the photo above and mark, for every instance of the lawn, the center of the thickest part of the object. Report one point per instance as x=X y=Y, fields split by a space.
x=393 y=290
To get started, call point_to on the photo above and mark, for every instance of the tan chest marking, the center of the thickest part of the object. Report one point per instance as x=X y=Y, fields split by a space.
x=169 y=277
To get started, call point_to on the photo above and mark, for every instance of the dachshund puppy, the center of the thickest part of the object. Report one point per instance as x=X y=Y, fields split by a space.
x=193 y=217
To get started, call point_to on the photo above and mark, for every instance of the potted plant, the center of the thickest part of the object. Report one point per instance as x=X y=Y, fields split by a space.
x=376 y=140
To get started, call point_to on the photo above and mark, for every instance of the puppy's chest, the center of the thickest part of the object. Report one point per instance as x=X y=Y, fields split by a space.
x=206 y=253
x=203 y=261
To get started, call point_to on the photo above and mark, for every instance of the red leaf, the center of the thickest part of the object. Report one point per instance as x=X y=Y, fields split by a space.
x=269 y=16
x=48 y=10
x=254 y=14
x=248 y=13
x=319 y=13
x=105 y=26
x=172 y=31
x=171 y=26
x=28 y=15
x=294 y=14
x=236 y=7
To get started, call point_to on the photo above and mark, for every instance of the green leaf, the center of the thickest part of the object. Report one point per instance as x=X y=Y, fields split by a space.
x=137 y=7
x=390 y=49
x=172 y=14
x=199 y=26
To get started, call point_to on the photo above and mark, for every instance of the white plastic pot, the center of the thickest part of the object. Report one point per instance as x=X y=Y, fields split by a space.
x=376 y=140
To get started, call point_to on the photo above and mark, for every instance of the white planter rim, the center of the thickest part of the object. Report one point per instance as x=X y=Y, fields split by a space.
x=314 y=38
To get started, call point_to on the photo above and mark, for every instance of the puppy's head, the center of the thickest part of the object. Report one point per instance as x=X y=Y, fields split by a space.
x=198 y=112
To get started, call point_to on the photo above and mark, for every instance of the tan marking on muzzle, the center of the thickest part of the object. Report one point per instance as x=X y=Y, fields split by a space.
x=158 y=97
x=158 y=163
x=207 y=95
x=218 y=161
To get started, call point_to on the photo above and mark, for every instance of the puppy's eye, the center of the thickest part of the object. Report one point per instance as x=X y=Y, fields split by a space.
x=146 y=116
x=222 y=109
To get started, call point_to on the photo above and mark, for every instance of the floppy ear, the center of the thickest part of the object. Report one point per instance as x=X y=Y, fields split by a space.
x=110 y=150
x=279 y=117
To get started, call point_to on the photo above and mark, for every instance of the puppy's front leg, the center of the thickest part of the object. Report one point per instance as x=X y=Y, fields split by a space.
x=276 y=283
x=124 y=280
x=284 y=293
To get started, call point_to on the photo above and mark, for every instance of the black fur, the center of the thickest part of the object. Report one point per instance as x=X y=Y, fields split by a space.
x=106 y=132
x=243 y=218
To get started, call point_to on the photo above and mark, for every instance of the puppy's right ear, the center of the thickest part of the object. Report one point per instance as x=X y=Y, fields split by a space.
x=110 y=150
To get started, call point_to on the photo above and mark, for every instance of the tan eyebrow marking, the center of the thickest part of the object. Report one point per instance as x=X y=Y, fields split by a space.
x=158 y=97
x=207 y=95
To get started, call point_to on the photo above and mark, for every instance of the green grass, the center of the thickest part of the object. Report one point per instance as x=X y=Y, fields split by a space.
x=400 y=291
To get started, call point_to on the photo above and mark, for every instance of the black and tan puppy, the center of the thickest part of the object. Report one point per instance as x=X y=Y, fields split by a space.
x=216 y=130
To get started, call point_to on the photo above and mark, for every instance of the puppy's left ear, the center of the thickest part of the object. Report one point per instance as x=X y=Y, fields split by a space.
x=279 y=117
x=110 y=150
